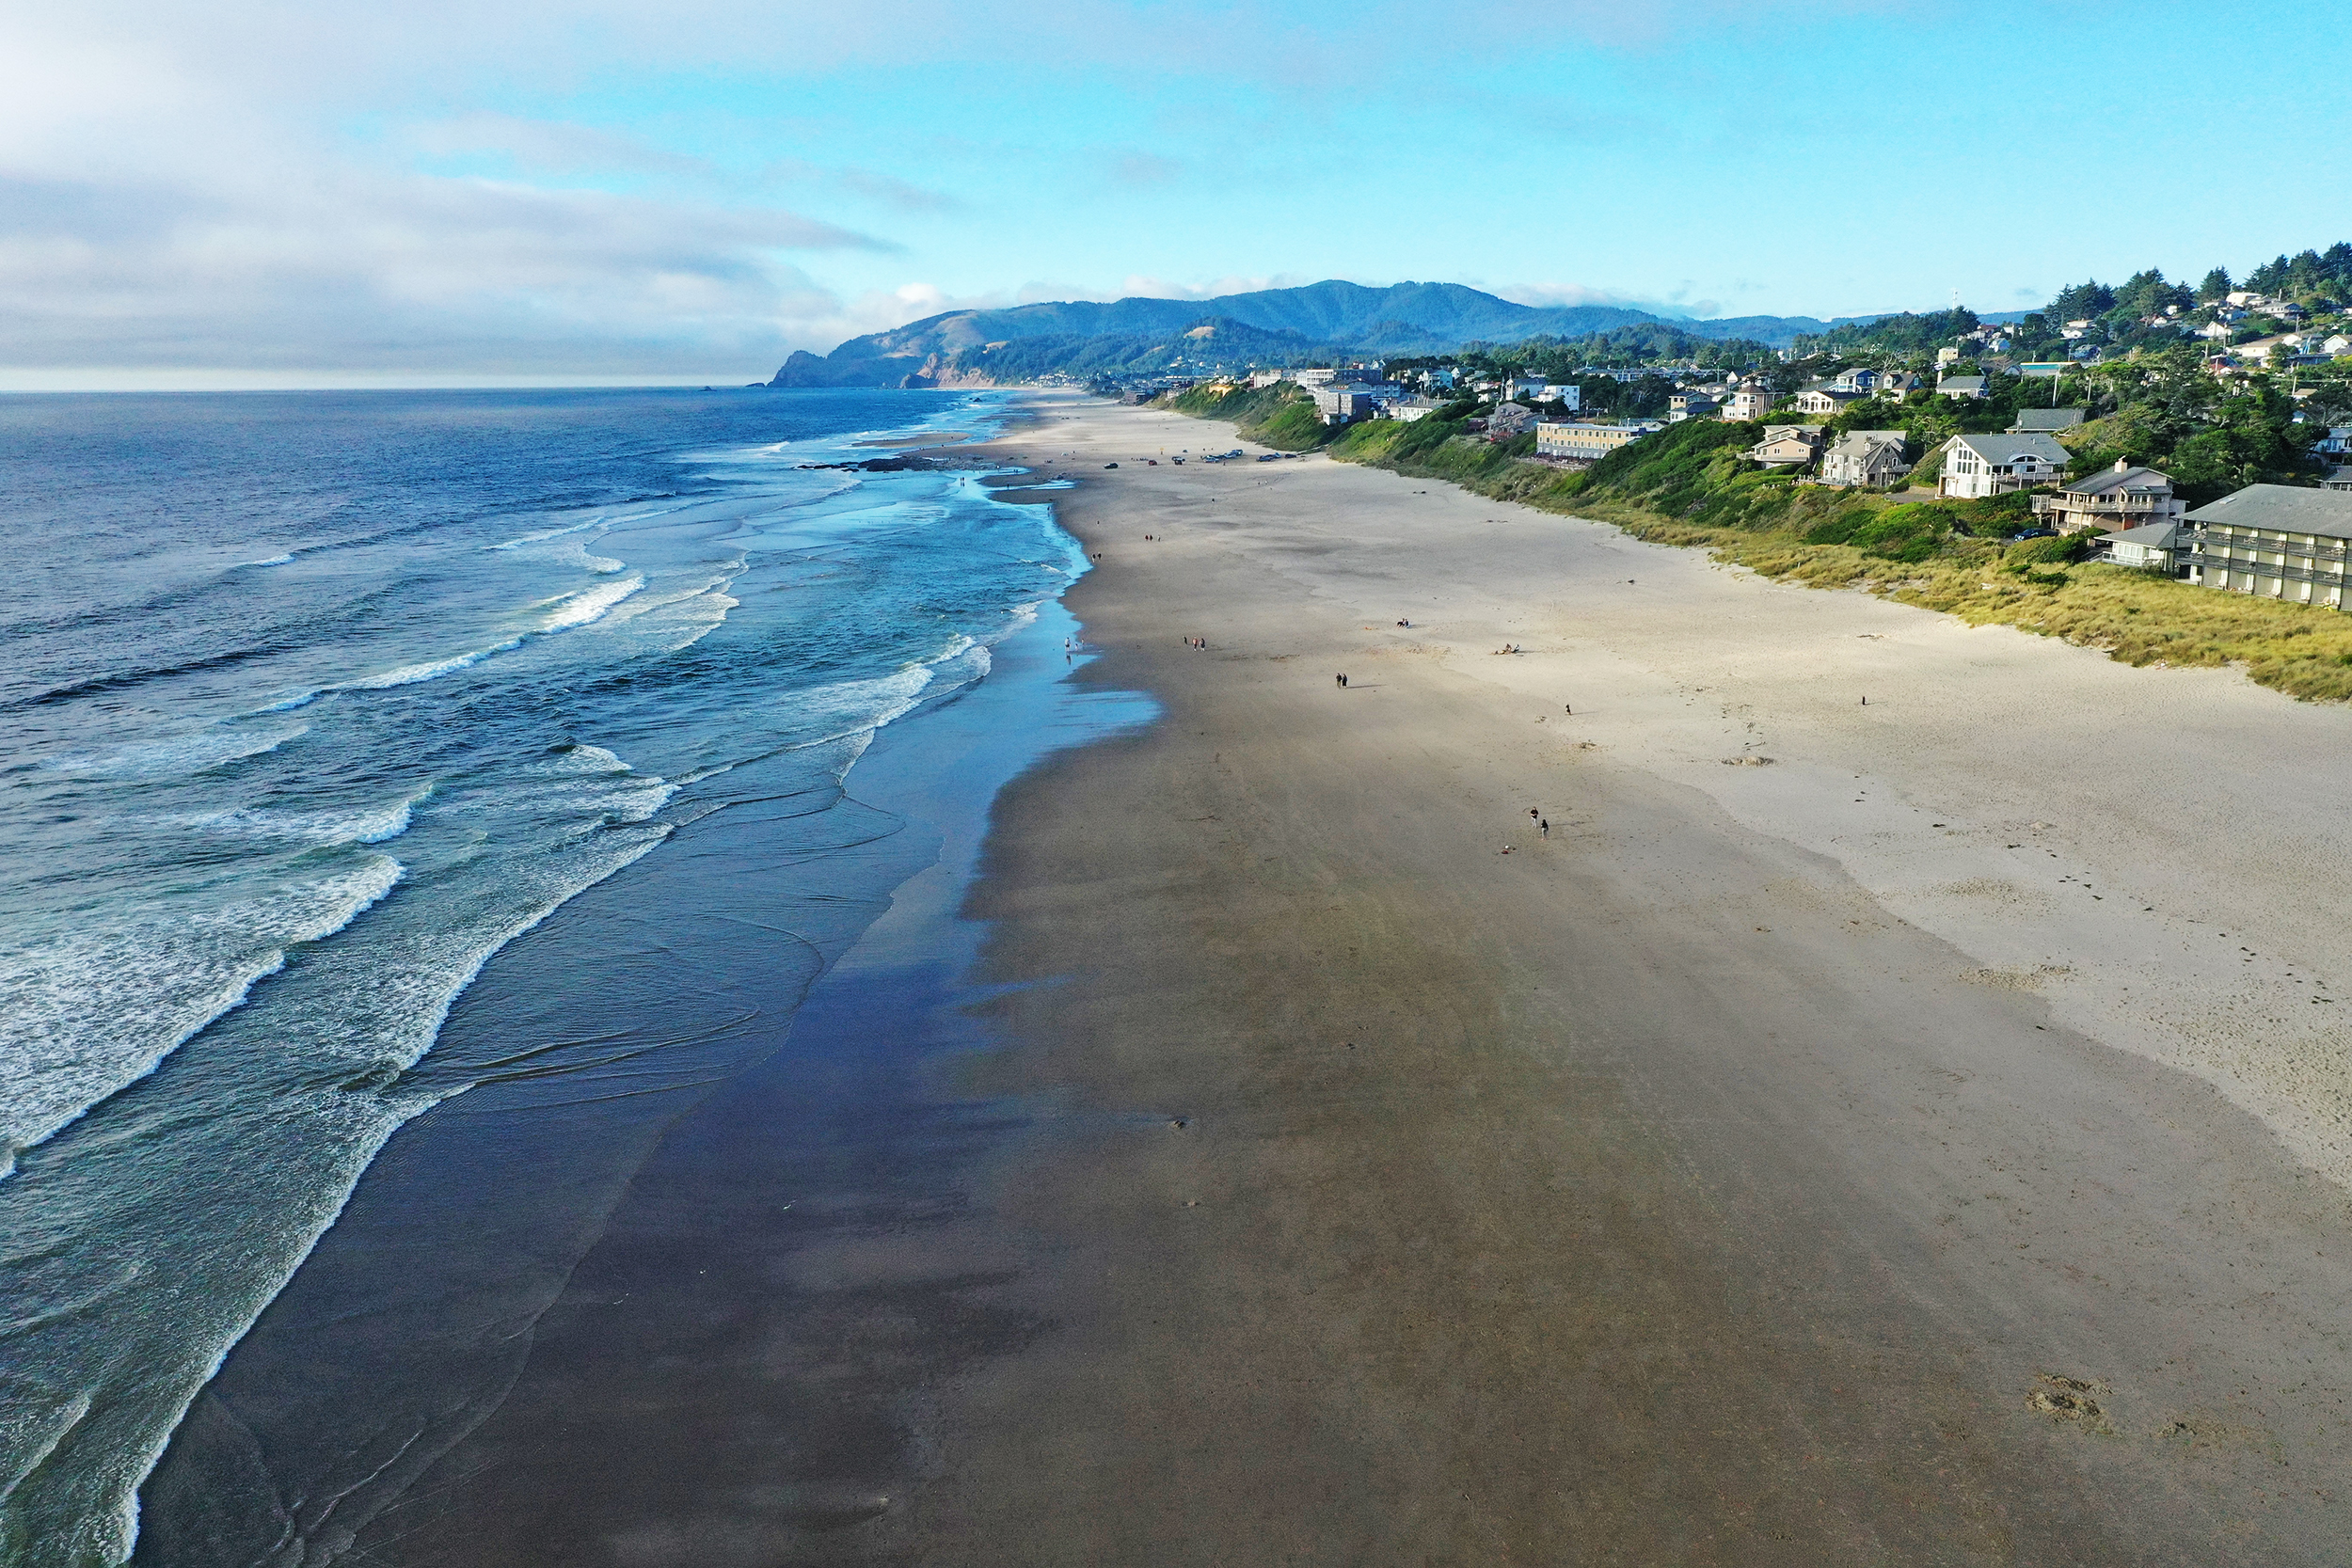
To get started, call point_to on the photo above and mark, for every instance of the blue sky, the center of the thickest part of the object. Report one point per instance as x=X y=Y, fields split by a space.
x=277 y=193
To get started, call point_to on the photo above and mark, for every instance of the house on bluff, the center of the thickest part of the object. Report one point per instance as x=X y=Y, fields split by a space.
x=2122 y=497
x=1980 y=465
x=1786 y=446
x=1871 y=458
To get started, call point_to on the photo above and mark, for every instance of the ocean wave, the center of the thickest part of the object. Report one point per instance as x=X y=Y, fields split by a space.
x=601 y=563
x=356 y=825
x=411 y=675
x=270 y=560
x=88 y=1013
x=579 y=609
x=176 y=756
x=546 y=534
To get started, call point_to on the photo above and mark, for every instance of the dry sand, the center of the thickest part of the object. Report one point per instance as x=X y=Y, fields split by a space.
x=1927 y=1145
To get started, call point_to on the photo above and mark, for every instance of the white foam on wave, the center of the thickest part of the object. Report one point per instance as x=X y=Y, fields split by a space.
x=410 y=675
x=590 y=604
x=601 y=563
x=271 y=561
x=356 y=825
x=547 y=533
x=175 y=756
x=85 y=1012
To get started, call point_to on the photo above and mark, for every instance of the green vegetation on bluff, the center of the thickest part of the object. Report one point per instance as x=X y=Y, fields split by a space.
x=1689 y=485
x=1281 y=415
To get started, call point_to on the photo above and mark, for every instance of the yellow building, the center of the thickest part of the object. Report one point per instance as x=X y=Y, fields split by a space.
x=1588 y=442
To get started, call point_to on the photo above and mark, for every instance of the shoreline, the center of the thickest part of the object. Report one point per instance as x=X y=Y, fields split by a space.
x=471 y=1220
x=1265 y=1167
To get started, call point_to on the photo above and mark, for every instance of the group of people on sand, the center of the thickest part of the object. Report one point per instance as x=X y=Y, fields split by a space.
x=1196 y=642
x=1510 y=648
x=1539 y=821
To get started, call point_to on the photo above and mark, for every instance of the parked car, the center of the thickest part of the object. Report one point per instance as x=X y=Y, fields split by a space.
x=1111 y=464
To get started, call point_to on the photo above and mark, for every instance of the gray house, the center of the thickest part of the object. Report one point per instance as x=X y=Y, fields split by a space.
x=1866 y=457
x=2049 y=422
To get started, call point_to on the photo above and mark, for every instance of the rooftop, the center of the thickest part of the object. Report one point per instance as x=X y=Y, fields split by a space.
x=2005 y=448
x=2282 y=507
x=2108 y=482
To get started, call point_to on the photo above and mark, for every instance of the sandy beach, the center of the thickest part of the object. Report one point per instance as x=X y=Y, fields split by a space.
x=1825 y=1131
x=1902 y=1130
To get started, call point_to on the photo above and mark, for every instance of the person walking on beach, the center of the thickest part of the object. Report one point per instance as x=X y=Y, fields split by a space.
x=1543 y=825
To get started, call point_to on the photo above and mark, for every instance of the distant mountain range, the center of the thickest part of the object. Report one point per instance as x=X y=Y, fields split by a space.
x=1269 y=326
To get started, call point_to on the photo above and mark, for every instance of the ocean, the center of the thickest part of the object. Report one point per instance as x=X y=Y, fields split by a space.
x=318 y=704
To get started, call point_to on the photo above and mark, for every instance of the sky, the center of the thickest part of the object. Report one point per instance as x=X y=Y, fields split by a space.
x=542 y=192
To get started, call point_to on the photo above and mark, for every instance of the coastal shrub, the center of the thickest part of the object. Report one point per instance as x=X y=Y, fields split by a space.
x=1294 y=427
x=1910 y=532
x=2058 y=551
x=1994 y=516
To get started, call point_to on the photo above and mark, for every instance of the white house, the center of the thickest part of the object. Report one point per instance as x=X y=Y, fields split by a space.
x=1567 y=392
x=1977 y=465
x=1826 y=400
x=1961 y=387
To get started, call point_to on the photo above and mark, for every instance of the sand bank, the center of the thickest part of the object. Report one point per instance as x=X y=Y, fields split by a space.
x=1902 y=1130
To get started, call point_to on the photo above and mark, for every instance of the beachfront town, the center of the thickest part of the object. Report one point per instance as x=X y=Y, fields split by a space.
x=2203 y=434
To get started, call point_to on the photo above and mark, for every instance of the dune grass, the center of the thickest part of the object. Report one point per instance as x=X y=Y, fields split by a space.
x=1692 y=491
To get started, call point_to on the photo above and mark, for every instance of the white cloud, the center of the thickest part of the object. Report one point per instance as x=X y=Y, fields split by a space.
x=162 y=212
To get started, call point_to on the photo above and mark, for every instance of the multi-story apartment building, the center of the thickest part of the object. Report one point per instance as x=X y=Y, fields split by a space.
x=2276 y=540
x=1588 y=442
